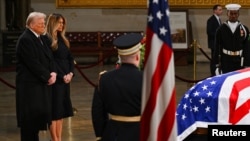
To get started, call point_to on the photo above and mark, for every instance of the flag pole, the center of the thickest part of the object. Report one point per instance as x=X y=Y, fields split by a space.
x=195 y=51
x=194 y=45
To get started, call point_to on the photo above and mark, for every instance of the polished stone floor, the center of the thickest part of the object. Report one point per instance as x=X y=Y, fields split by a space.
x=79 y=127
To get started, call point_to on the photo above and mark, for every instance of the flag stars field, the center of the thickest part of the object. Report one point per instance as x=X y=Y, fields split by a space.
x=204 y=87
x=186 y=96
x=196 y=93
x=219 y=99
x=163 y=31
x=159 y=15
x=207 y=109
x=150 y=18
x=213 y=82
x=209 y=94
x=202 y=101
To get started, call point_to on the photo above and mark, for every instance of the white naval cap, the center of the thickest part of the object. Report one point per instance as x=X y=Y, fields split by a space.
x=233 y=6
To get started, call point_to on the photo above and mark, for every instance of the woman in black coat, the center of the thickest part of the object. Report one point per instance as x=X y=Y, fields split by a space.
x=61 y=102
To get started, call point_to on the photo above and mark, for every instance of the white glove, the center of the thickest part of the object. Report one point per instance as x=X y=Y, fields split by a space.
x=217 y=72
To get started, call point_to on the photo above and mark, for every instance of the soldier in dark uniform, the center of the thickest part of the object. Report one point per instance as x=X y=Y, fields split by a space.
x=116 y=105
x=231 y=43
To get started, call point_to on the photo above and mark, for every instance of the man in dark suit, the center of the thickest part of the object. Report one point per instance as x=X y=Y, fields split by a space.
x=116 y=105
x=213 y=23
x=35 y=73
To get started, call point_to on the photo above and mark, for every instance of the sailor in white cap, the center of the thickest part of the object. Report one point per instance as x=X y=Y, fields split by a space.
x=233 y=12
x=233 y=6
x=231 y=43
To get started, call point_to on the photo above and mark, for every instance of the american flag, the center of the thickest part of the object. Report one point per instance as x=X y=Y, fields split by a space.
x=222 y=99
x=158 y=121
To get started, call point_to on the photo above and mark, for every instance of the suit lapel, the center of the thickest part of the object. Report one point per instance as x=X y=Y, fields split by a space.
x=43 y=46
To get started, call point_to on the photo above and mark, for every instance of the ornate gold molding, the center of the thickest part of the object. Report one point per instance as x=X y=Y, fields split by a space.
x=189 y=4
x=101 y=3
x=183 y=4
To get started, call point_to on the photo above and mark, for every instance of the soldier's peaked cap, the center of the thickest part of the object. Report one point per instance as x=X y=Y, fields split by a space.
x=128 y=44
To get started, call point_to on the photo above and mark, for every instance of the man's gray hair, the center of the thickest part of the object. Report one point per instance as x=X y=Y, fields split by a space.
x=33 y=16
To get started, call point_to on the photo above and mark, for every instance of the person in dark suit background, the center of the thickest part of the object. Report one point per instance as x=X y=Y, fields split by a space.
x=116 y=105
x=61 y=102
x=213 y=23
x=35 y=73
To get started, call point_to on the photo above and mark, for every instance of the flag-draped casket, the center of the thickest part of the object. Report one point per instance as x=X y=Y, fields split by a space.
x=222 y=99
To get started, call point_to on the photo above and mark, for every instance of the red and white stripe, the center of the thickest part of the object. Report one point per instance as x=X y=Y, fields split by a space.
x=234 y=99
x=158 y=122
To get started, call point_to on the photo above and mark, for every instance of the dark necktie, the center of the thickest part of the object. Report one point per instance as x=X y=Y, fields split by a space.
x=220 y=21
x=40 y=40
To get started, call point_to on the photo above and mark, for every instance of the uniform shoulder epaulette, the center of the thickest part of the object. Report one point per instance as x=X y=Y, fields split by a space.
x=102 y=72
